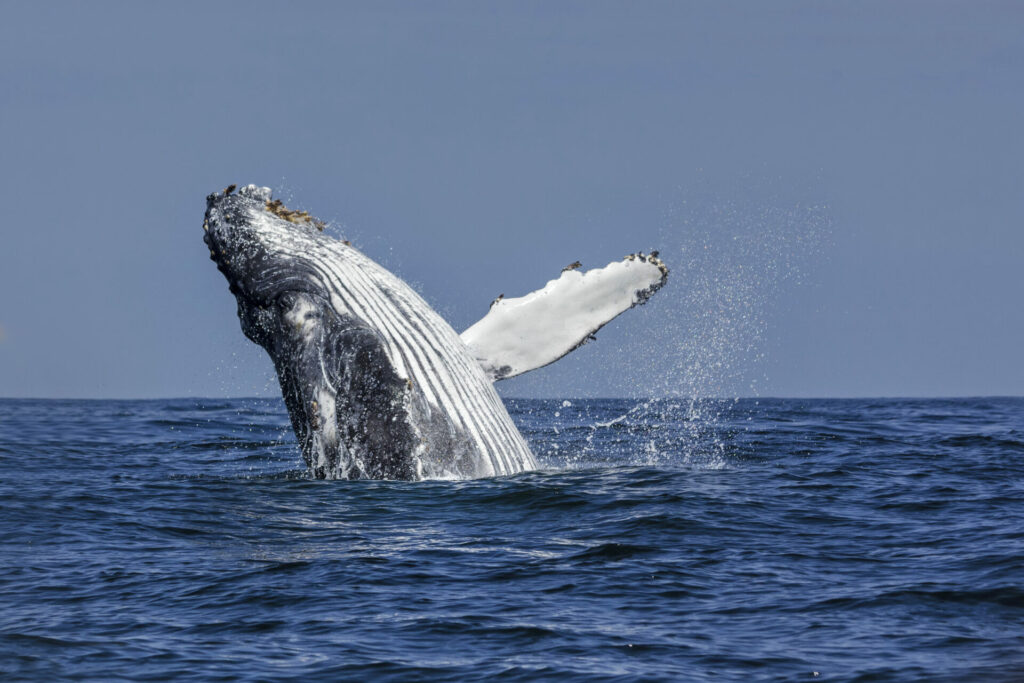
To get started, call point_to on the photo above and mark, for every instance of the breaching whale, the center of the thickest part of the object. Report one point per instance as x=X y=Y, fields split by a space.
x=376 y=383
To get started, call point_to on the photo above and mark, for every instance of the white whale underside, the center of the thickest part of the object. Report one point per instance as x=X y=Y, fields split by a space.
x=454 y=373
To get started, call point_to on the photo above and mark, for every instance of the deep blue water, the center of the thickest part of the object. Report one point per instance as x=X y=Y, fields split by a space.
x=725 y=541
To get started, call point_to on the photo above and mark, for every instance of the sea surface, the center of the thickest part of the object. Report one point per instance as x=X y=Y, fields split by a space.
x=751 y=540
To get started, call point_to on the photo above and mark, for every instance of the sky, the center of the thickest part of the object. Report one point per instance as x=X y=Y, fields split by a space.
x=837 y=188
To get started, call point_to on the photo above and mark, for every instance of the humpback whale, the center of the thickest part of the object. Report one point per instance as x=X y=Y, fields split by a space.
x=376 y=383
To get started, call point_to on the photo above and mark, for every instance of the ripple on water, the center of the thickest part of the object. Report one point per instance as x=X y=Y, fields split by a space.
x=864 y=540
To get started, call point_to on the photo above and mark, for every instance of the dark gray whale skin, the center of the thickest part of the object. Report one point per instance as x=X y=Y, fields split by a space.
x=358 y=410
x=353 y=355
x=368 y=389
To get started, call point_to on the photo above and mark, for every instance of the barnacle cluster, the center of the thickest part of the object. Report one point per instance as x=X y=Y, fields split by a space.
x=277 y=208
x=643 y=295
x=652 y=258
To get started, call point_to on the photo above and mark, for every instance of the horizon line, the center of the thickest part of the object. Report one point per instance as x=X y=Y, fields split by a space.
x=892 y=397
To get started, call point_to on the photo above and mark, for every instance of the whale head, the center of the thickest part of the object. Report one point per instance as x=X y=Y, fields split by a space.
x=348 y=405
x=263 y=256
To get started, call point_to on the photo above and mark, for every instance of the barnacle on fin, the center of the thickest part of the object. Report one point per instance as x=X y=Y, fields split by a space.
x=643 y=295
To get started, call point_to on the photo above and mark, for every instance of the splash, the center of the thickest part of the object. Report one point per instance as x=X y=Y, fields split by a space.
x=736 y=260
x=732 y=262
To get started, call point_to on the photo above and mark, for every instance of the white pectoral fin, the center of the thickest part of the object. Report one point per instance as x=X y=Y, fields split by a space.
x=519 y=335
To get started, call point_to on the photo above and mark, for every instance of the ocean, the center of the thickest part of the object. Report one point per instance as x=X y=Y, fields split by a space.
x=748 y=540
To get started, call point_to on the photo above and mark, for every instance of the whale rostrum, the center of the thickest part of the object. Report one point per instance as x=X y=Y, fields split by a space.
x=376 y=383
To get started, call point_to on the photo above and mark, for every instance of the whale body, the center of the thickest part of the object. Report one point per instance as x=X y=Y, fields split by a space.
x=376 y=383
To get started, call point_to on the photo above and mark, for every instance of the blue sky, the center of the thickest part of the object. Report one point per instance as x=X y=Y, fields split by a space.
x=837 y=187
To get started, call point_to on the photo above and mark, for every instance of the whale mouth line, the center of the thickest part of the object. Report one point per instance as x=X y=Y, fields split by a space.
x=226 y=227
x=221 y=260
